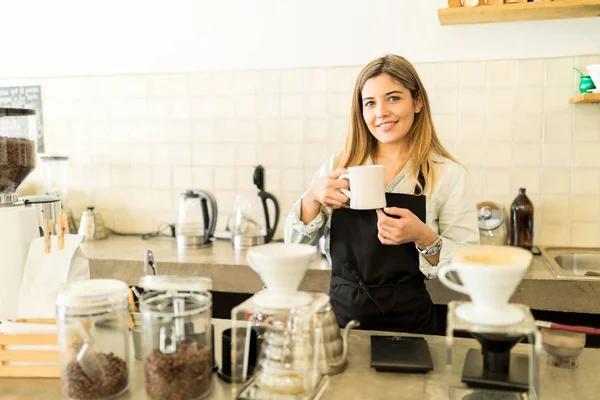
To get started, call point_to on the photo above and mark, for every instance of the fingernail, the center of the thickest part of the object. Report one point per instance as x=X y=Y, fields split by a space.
x=386 y=209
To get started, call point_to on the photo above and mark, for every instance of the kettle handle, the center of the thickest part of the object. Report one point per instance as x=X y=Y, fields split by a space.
x=270 y=231
x=210 y=220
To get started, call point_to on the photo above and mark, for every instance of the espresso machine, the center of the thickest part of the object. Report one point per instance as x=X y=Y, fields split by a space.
x=19 y=219
x=289 y=363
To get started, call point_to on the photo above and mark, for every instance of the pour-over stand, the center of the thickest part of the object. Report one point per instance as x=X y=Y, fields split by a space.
x=498 y=365
x=287 y=366
x=249 y=316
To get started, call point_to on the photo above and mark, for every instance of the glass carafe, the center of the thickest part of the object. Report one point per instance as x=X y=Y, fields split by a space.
x=288 y=365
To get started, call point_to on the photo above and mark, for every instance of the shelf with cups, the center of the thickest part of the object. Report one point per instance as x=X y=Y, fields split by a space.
x=486 y=12
x=585 y=98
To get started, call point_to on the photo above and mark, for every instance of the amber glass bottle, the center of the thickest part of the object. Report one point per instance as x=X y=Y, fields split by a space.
x=521 y=221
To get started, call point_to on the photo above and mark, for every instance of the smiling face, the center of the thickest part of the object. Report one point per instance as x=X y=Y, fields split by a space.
x=388 y=109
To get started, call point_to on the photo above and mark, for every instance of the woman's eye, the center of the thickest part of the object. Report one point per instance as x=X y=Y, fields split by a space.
x=369 y=103
x=394 y=98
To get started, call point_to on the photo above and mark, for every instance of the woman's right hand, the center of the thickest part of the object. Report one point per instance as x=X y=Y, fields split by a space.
x=327 y=190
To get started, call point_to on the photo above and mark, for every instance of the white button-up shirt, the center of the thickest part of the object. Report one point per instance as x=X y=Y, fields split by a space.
x=451 y=210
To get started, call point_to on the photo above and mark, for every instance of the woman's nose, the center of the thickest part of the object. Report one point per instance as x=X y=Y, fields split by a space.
x=381 y=110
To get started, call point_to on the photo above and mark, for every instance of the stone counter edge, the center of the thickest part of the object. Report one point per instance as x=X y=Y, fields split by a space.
x=539 y=294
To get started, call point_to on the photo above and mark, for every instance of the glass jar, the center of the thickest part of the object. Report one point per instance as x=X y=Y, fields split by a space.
x=55 y=175
x=93 y=339
x=177 y=312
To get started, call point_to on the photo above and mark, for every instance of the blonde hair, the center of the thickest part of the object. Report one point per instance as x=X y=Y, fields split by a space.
x=422 y=139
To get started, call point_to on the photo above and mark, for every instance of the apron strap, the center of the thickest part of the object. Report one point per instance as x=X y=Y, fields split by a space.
x=421 y=179
x=360 y=283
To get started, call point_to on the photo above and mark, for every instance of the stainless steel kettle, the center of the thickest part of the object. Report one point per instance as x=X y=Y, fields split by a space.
x=91 y=226
x=334 y=346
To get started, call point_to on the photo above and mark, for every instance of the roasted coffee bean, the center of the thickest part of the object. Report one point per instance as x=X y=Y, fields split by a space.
x=17 y=160
x=77 y=385
x=185 y=374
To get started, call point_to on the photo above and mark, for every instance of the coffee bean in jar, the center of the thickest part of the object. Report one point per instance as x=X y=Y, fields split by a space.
x=183 y=375
x=78 y=385
x=17 y=160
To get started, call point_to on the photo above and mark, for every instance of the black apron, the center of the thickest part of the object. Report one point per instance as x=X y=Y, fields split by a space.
x=379 y=285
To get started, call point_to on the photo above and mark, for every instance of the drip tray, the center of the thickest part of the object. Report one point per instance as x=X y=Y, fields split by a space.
x=517 y=379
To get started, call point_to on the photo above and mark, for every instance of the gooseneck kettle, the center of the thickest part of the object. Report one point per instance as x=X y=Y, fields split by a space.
x=197 y=219
x=253 y=224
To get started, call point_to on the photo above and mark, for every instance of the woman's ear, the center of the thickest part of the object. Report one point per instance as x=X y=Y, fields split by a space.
x=418 y=103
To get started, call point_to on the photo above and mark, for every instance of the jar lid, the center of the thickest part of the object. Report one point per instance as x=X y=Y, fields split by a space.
x=40 y=199
x=179 y=283
x=489 y=215
x=92 y=293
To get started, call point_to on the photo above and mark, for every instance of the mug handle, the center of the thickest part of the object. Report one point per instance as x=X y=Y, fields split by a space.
x=345 y=191
x=447 y=282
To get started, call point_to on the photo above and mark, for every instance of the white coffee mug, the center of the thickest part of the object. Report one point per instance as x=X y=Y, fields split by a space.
x=367 y=187
x=489 y=274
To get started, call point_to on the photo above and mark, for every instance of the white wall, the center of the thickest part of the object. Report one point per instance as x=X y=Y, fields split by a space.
x=71 y=37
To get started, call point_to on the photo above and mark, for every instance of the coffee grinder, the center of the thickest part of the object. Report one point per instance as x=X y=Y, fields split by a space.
x=19 y=220
x=286 y=366
x=498 y=366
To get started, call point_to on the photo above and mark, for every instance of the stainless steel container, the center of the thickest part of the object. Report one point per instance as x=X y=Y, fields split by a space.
x=492 y=223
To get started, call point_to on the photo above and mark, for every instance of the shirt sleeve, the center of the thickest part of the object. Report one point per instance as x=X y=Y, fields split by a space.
x=457 y=218
x=295 y=231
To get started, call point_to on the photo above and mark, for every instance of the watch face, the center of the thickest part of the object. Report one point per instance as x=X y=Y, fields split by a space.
x=434 y=248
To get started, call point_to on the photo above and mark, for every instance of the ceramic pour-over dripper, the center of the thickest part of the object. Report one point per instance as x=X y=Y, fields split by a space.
x=489 y=275
x=281 y=267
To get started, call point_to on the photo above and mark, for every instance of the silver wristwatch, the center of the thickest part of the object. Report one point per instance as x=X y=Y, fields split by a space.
x=433 y=249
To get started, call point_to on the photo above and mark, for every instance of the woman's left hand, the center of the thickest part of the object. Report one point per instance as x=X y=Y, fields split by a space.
x=408 y=228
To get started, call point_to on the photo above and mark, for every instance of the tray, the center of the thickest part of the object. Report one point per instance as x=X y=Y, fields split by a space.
x=22 y=348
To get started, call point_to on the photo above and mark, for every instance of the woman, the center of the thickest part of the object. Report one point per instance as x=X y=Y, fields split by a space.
x=380 y=258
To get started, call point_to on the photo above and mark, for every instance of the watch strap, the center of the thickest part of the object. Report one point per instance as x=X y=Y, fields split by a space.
x=432 y=249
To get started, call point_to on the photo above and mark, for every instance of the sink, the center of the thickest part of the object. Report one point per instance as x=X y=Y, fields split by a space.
x=581 y=263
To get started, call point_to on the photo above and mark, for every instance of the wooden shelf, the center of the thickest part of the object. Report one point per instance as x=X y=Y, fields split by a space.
x=585 y=98
x=557 y=9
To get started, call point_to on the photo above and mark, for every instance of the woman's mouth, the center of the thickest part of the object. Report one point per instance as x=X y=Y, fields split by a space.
x=386 y=126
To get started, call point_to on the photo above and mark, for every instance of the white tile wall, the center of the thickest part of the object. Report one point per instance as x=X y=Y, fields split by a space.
x=138 y=141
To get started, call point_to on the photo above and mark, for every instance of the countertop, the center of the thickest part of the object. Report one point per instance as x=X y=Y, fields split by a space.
x=122 y=258
x=359 y=381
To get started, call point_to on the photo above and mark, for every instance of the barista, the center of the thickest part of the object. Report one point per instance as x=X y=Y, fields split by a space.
x=381 y=258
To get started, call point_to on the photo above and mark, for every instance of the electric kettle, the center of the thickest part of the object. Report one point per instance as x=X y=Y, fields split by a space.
x=252 y=224
x=197 y=219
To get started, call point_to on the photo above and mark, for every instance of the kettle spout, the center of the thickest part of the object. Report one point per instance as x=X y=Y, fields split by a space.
x=345 y=344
